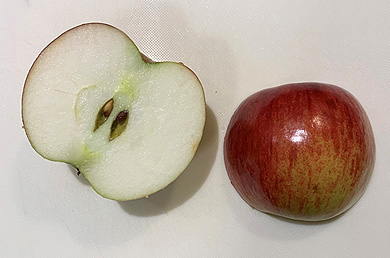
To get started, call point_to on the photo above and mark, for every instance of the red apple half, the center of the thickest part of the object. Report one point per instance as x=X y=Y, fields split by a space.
x=302 y=151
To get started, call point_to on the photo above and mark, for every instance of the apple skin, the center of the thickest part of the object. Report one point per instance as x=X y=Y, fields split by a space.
x=303 y=151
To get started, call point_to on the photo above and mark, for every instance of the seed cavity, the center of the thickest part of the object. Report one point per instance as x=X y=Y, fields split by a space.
x=104 y=113
x=119 y=124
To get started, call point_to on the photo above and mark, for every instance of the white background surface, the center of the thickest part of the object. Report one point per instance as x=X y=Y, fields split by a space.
x=236 y=48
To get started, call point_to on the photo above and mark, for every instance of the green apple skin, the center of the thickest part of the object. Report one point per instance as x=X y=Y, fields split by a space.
x=303 y=151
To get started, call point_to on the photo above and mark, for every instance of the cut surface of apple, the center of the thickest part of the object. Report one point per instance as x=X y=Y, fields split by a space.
x=130 y=126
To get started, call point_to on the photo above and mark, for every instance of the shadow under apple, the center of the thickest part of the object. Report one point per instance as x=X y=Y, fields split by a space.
x=306 y=223
x=276 y=227
x=292 y=230
x=188 y=183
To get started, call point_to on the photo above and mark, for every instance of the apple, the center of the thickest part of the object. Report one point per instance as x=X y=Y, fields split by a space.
x=303 y=151
x=129 y=125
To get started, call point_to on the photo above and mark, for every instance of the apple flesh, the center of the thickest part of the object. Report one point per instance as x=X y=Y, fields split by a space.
x=303 y=151
x=129 y=125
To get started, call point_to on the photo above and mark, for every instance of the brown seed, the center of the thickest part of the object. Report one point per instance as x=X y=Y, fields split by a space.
x=104 y=113
x=107 y=108
x=119 y=124
x=121 y=116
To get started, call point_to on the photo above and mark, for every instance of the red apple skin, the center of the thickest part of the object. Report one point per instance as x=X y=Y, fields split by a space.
x=303 y=151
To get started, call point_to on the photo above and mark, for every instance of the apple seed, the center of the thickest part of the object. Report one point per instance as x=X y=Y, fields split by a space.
x=119 y=124
x=104 y=113
x=107 y=108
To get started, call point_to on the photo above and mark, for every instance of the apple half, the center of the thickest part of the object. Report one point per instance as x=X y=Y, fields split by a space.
x=129 y=125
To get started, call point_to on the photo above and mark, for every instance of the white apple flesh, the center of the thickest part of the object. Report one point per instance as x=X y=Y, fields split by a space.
x=72 y=80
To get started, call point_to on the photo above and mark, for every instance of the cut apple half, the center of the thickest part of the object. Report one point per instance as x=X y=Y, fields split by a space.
x=129 y=125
